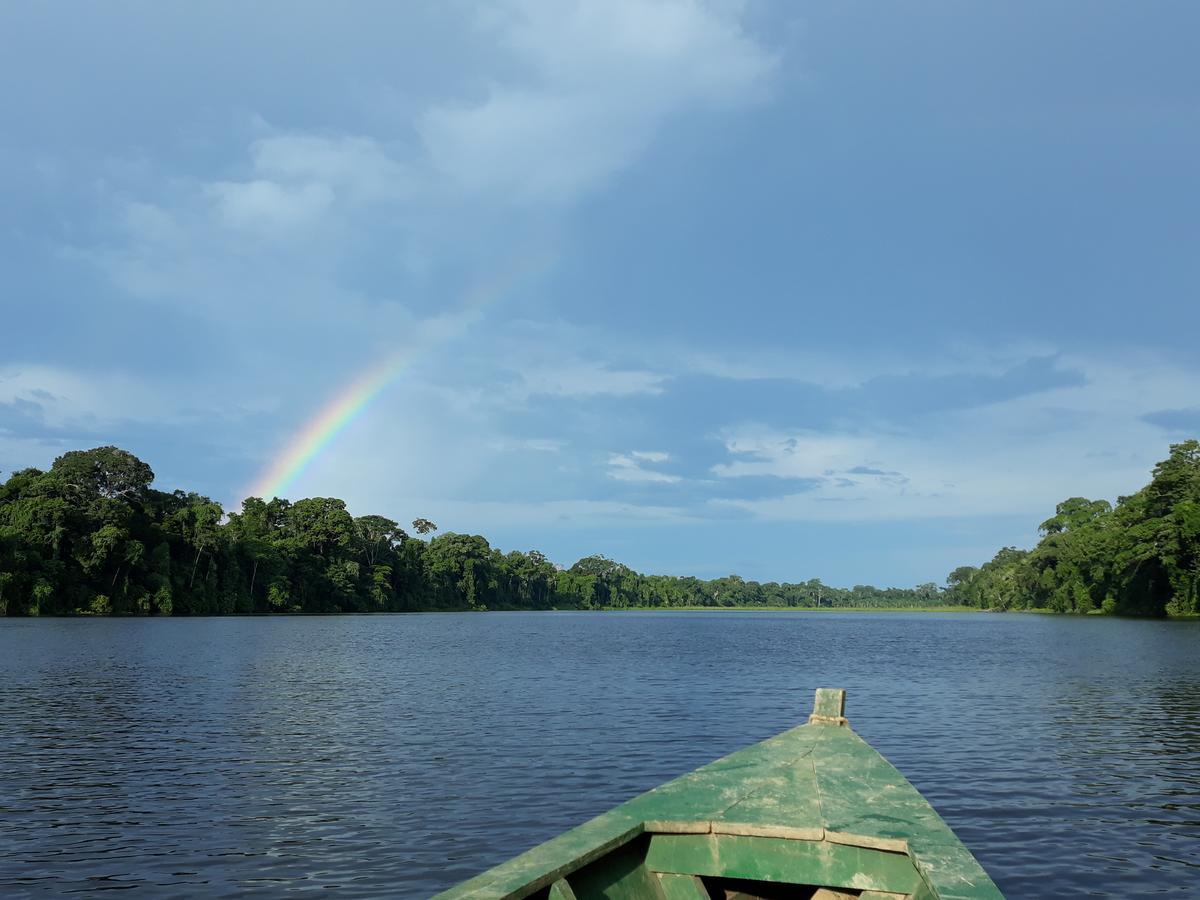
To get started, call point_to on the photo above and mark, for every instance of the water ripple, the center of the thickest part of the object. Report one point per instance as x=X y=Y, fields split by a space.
x=397 y=755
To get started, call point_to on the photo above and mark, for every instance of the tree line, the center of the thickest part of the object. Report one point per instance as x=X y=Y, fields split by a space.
x=1140 y=557
x=91 y=536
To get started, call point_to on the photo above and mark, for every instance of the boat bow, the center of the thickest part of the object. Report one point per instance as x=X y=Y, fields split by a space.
x=815 y=808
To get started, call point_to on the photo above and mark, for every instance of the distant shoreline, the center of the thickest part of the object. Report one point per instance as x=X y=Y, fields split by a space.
x=80 y=616
x=92 y=537
x=798 y=609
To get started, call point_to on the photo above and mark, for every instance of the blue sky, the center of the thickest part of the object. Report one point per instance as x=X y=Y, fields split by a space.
x=850 y=291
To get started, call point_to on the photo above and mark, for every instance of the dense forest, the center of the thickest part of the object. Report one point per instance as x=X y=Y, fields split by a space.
x=1141 y=557
x=91 y=536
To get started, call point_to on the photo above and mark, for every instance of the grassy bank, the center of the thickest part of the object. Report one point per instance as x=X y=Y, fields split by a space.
x=804 y=609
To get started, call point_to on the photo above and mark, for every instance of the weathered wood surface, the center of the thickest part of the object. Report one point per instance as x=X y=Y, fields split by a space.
x=829 y=707
x=682 y=887
x=622 y=875
x=818 y=792
x=782 y=860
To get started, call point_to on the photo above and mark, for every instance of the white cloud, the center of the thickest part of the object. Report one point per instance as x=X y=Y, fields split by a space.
x=598 y=80
x=68 y=397
x=269 y=207
x=536 y=445
x=628 y=467
x=151 y=225
x=761 y=451
x=656 y=456
x=1018 y=457
x=543 y=446
x=604 y=76
x=356 y=166
x=577 y=378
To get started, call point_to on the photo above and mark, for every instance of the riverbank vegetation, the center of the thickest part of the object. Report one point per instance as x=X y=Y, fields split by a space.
x=91 y=536
x=1140 y=557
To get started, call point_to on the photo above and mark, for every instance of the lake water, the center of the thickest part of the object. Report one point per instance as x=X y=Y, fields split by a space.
x=397 y=755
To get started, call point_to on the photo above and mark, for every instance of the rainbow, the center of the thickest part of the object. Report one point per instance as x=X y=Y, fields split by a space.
x=320 y=431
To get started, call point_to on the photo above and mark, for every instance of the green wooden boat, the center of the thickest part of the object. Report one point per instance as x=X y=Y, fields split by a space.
x=814 y=813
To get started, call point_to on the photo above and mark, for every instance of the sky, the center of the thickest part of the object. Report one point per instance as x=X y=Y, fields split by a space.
x=855 y=291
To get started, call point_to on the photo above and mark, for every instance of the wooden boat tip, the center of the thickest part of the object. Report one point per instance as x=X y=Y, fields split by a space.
x=829 y=707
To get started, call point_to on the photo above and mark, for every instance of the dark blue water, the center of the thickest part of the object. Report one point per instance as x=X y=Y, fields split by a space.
x=397 y=755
